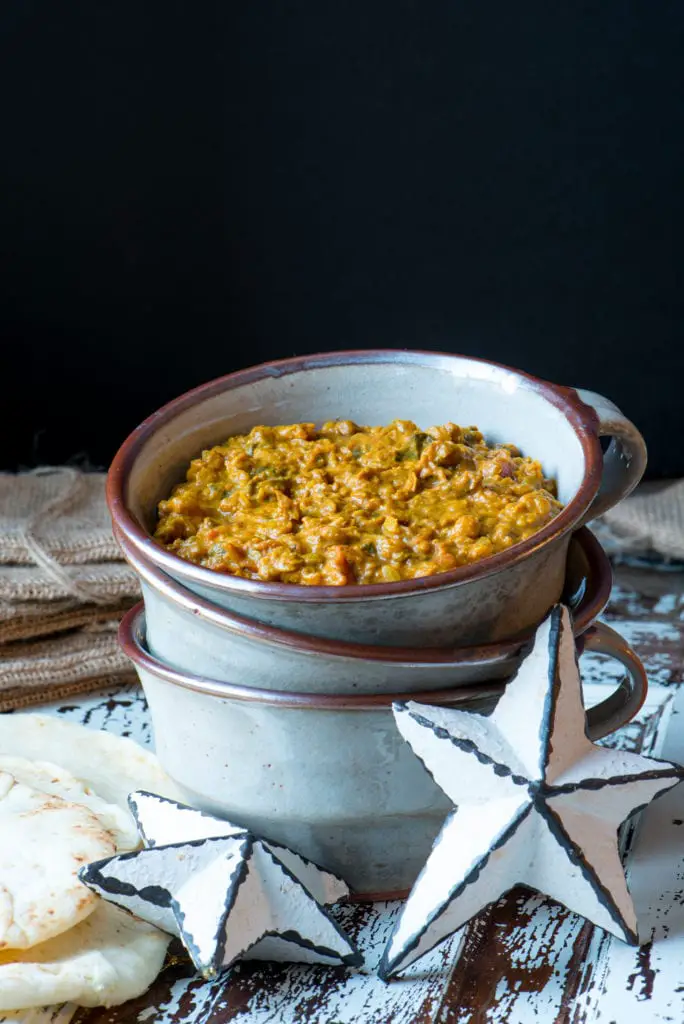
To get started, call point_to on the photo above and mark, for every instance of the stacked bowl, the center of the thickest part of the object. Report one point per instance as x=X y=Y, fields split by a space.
x=272 y=702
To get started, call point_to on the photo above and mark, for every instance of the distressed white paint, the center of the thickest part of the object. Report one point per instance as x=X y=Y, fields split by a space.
x=361 y=997
x=541 y=935
x=122 y=709
x=499 y=835
x=666 y=604
x=647 y=986
x=62 y=1014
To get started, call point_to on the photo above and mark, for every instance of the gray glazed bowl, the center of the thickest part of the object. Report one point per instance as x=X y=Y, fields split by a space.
x=327 y=774
x=193 y=635
x=498 y=598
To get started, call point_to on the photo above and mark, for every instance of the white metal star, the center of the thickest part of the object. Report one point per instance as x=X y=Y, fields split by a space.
x=223 y=891
x=537 y=803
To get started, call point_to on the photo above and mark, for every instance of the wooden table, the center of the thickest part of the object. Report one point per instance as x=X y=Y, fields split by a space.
x=526 y=959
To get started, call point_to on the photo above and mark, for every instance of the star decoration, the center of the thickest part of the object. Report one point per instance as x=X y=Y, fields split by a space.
x=537 y=803
x=224 y=892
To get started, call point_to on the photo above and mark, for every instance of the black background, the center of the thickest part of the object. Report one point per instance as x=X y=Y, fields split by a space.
x=189 y=188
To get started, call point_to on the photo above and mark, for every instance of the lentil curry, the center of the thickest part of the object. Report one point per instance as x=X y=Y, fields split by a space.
x=349 y=504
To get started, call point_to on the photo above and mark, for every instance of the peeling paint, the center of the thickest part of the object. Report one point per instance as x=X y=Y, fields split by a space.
x=525 y=960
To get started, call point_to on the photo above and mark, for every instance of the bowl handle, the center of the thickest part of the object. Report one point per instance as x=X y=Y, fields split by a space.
x=625 y=460
x=622 y=705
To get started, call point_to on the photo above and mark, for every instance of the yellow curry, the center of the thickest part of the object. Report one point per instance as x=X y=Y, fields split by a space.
x=349 y=504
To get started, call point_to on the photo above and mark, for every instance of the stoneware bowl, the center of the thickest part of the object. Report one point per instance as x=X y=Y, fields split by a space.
x=193 y=635
x=326 y=774
x=498 y=598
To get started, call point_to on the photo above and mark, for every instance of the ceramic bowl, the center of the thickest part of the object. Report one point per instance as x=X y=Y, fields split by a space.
x=327 y=774
x=195 y=636
x=497 y=598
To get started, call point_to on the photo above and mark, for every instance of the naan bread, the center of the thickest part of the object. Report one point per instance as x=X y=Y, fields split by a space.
x=112 y=766
x=109 y=957
x=105 y=960
x=43 y=842
x=55 y=781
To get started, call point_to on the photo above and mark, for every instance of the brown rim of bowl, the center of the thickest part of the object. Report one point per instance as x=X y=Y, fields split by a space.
x=131 y=631
x=599 y=575
x=581 y=417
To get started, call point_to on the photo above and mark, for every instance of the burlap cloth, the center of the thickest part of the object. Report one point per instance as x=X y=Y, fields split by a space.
x=63 y=587
x=651 y=521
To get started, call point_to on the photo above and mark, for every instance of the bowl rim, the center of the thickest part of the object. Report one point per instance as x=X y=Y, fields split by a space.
x=130 y=636
x=581 y=417
x=600 y=576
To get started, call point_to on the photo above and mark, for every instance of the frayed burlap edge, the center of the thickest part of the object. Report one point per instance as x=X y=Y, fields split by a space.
x=651 y=521
x=20 y=698
x=48 y=624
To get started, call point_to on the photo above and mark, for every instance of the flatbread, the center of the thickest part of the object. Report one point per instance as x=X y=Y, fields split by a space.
x=112 y=766
x=105 y=960
x=55 y=781
x=44 y=840
x=109 y=957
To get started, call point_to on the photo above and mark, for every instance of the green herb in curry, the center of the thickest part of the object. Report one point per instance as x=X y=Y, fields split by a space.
x=349 y=504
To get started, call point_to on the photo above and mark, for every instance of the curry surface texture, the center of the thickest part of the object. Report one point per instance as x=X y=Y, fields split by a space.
x=349 y=504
